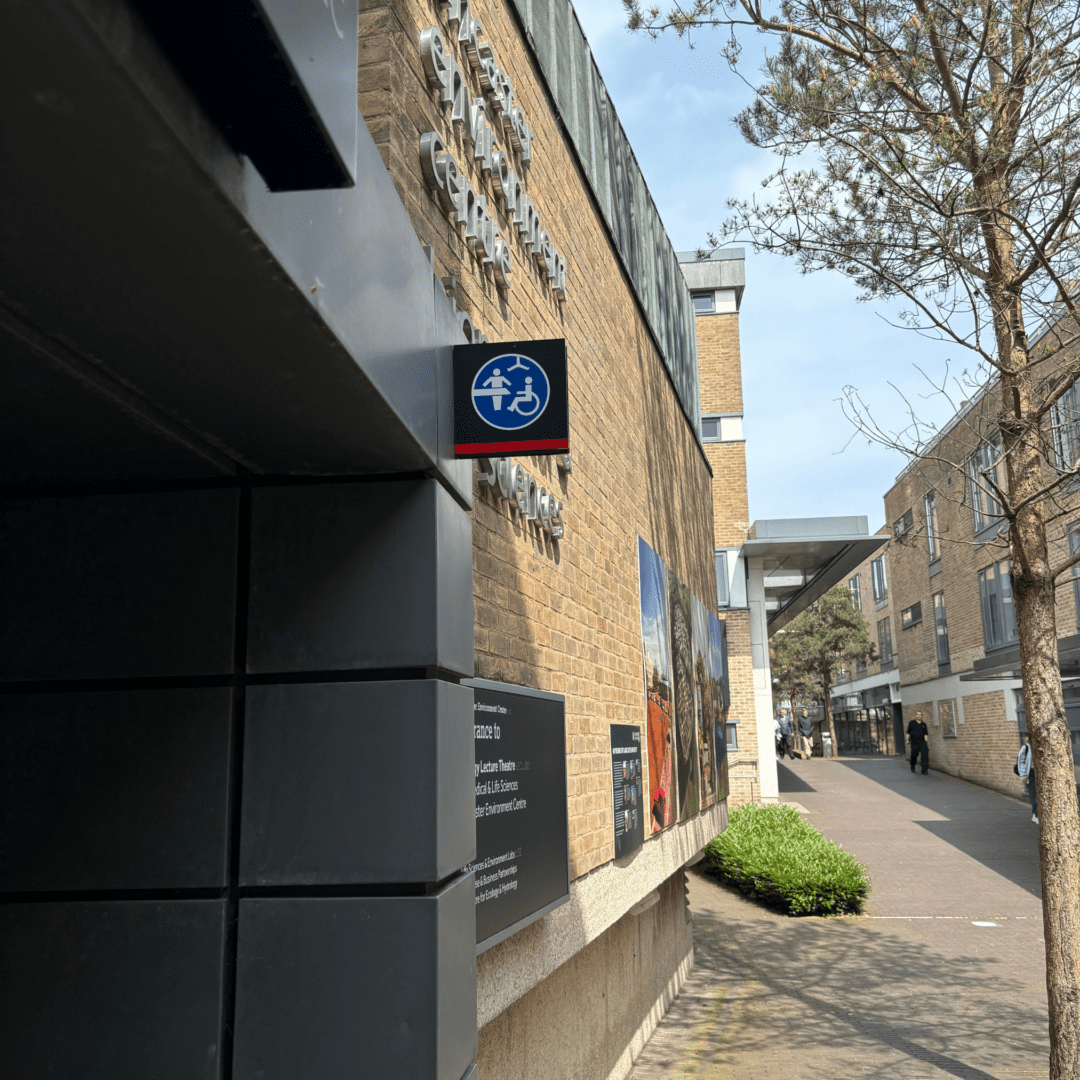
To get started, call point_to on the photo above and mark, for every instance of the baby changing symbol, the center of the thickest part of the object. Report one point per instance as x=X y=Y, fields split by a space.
x=517 y=382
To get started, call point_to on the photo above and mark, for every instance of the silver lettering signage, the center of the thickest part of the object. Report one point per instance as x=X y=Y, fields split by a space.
x=454 y=192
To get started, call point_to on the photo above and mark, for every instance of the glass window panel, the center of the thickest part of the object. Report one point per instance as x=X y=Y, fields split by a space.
x=932 y=524
x=1074 y=549
x=881 y=587
x=710 y=428
x=941 y=629
x=721 y=579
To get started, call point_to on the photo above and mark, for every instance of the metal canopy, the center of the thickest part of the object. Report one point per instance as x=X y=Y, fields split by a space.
x=163 y=314
x=802 y=558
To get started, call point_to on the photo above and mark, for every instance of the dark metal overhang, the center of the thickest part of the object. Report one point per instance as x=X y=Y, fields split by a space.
x=803 y=558
x=163 y=314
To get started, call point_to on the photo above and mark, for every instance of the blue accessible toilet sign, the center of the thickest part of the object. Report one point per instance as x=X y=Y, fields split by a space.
x=510 y=392
x=511 y=397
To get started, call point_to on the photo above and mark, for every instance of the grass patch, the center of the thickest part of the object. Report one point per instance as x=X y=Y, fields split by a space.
x=771 y=853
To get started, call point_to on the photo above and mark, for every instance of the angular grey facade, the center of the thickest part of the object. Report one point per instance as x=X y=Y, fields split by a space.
x=235 y=757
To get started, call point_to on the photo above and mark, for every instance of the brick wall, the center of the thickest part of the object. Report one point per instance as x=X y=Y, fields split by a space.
x=560 y=616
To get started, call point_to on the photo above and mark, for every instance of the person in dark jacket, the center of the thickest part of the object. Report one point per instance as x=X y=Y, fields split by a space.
x=918 y=733
x=783 y=736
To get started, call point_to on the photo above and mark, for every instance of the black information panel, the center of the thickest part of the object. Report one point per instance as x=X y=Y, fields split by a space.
x=626 y=799
x=522 y=863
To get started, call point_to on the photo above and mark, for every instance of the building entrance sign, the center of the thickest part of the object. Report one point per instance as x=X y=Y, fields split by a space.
x=626 y=788
x=522 y=865
x=510 y=398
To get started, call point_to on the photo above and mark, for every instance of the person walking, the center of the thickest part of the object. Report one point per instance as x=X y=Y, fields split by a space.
x=783 y=740
x=1025 y=769
x=806 y=734
x=918 y=736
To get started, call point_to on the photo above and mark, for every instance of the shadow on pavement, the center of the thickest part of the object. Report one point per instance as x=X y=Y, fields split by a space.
x=851 y=990
x=979 y=822
x=840 y=998
x=789 y=782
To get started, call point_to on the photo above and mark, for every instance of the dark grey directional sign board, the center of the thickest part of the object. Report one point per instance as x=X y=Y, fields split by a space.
x=522 y=863
x=626 y=797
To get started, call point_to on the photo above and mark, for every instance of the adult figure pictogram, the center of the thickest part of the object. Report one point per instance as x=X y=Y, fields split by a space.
x=496 y=385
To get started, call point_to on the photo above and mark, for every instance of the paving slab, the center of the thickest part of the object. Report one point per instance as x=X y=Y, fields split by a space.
x=913 y=990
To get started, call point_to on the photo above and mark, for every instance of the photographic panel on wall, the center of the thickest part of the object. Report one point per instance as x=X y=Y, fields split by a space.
x=659 y=687
x=682 y=663
x=705 y=691
x=721 y=700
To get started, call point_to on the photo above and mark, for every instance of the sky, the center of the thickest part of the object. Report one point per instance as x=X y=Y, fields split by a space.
x=803 y=337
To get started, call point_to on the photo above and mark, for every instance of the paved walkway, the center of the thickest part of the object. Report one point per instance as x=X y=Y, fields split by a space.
x=914 y=990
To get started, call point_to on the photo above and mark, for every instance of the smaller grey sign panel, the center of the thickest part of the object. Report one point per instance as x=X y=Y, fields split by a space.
x=626 y=788
x=522 y=867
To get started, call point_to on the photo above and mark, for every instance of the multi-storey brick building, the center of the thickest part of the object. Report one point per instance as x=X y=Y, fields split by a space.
x=766 y=571
x=955 y=632
x=717 y=285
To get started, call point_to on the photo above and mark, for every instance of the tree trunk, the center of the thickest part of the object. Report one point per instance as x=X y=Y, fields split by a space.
x=1044 y=705
x=826 y=686
x=1055 y=781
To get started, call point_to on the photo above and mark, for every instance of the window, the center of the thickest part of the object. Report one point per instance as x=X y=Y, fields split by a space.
x=982 y=469
x=932 y=543
x=724 y=427
x=903 y=524
x=860 y=668
x=877 y=574
x=730 y=579
x=732 y=733
x=703 y=301
x=855 y=585
x=998 y=613
x=884 y=640
x=1074 y=549
x=1065 y=420
x=910 y=616
x=941 y=632
x=947 y=718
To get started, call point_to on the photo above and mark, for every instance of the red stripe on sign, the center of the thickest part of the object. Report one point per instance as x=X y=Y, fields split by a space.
x=511 y=447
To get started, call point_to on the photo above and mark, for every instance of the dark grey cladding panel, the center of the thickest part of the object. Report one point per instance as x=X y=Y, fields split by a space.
x=358 y=576
x=118 y=585
x=58 y=426
x=619 y=185
x=111 y=990
x=293 y=331
x=341 y=988
x=357 y=783
x=448 y=332
x=114 y=790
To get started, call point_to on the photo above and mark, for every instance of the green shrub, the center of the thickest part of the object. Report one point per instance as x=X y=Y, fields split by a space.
x=771 y=852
